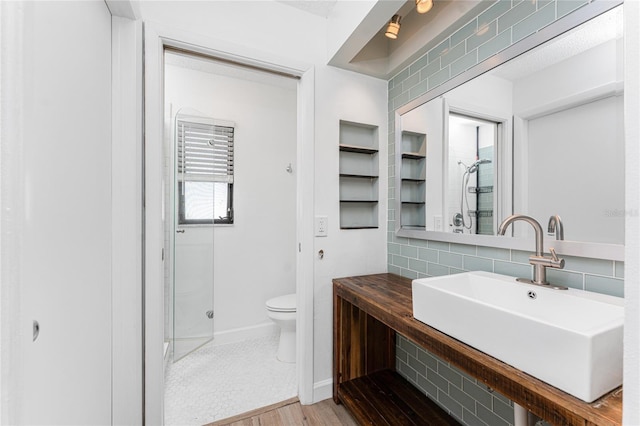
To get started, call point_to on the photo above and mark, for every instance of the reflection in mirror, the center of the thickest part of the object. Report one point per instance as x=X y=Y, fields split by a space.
x=541 y=135
x=471 y=174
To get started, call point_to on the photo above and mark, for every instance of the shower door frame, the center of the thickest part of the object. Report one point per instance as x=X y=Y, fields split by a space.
x=157 y=38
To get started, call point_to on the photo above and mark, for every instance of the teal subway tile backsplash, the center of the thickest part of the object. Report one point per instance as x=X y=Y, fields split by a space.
x=400 y=261
x=439 y=50
x=495 y=45
x=418 y=65
x=450 y=259
x=519 y=256
x=439 y=245
x=418 y=265
x=494 y=30
x=485 y=33
x=516 y=14
x=409 y=251
x=411 y=81
x=462 y=249
x=512 y=269
x=588 y=265
x=494 y=253
x=454 y=408
x=419 y=89
x=438 y=78
x=465 y=32
x=535 y=22
x=430 y=69
x=499 y=8
x=472 y=263
x=436 y=270
x=428 y=255
x=489 y=417
x=565 y=278
x=464 y=63
x=455 y=53
x=605 y=285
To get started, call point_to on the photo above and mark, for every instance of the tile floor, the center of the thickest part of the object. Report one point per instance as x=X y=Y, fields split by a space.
x=216 y=382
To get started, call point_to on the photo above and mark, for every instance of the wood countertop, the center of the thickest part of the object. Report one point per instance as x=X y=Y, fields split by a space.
x=388 y=298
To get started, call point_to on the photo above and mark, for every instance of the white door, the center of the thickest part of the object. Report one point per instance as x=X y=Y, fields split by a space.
x=65 y=173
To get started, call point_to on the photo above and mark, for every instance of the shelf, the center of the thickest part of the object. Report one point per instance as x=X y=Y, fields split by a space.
x=384 y=397
x=414 y=227
x=357 y=149
x=359 y=227
x=358 y=175
x=348 y=175
x=413 y=202
x=413 y=155
x=413 y=180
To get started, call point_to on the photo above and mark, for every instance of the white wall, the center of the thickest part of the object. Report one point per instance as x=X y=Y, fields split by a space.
x=343 y=95
x=254 y=259
x=57 y=201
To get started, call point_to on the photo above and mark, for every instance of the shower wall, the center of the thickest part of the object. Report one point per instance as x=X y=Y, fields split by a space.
x=254 y=259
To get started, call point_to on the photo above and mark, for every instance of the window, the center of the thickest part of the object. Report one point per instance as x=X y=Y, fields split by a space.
x=205 y=172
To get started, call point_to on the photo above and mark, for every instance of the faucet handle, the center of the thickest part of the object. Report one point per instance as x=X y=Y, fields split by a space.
x=556 y=262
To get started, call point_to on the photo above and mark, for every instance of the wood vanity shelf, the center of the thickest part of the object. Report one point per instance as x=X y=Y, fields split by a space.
x=369 y=310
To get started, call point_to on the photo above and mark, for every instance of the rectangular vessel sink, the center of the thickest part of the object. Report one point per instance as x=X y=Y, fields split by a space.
x=571 y=339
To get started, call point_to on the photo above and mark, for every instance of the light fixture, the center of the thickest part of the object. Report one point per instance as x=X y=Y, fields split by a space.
x=423 y=6
x=393 y=28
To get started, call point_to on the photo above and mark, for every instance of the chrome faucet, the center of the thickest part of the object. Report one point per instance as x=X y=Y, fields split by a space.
x=539 y=261
x=555 y=226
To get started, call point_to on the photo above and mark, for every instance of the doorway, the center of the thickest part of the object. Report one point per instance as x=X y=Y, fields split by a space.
x=222 y=267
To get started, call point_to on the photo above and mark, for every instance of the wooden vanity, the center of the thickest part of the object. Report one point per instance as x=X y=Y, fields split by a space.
x=369 y=310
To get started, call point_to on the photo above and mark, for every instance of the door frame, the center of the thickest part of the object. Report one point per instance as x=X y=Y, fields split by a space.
x=156 y=38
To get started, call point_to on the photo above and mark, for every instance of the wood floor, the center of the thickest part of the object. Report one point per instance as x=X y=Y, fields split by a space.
x=290 y=413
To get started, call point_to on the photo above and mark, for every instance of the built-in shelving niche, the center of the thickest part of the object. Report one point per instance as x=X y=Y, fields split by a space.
x=359 y=172
x=412 y=180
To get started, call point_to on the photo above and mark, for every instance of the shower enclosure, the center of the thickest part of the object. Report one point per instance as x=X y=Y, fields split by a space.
x=472 y=143
x=202 y=186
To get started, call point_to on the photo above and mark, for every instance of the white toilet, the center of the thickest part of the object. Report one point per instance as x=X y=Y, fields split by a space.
x=282 y=311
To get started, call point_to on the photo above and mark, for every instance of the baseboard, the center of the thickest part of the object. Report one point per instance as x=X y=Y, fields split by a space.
x=322 y=390
x=244 y=333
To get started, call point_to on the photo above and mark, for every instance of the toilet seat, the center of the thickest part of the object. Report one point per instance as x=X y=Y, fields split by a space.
x=286 y=303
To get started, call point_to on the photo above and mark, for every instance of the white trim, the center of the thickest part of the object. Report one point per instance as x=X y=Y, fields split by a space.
x=153 y=230
x=304 y=227
x=322 y=390
x=126 y=198
x=244 y=333
x=157 y=37
x=631 y=367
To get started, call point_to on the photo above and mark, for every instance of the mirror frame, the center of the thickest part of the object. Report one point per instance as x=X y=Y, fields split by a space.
x=570 y=248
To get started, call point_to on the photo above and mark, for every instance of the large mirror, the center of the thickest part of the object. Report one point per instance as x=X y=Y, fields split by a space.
x=541 y=134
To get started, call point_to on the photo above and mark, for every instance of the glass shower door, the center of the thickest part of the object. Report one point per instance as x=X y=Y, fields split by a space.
x=193 y=271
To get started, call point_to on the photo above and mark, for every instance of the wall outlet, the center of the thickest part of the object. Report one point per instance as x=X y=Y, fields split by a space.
x=322 y=226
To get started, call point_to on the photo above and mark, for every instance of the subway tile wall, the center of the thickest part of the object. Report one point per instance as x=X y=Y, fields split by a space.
x=498 y=27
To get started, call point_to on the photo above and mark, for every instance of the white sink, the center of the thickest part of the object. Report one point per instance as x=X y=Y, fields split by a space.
x=571 y=339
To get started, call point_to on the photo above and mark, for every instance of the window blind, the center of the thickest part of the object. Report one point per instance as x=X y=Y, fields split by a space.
x=205 y=152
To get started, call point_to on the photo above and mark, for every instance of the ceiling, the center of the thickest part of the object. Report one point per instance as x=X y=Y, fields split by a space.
x=316 y=7
x=368 y=51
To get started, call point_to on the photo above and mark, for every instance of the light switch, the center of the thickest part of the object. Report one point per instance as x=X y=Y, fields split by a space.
x=322 y=226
